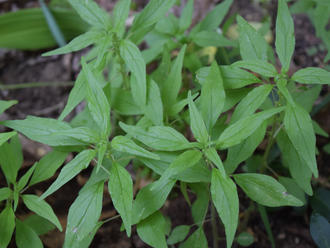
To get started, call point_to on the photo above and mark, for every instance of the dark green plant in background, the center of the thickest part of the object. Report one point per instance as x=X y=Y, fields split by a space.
x=132 y=117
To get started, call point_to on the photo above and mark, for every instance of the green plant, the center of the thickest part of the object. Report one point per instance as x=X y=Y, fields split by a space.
x=154 y=111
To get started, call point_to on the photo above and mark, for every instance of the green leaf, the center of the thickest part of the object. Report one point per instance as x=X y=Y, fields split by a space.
x=212 y=38
x=186 y=16
x=299 y=169
x=253 y=46
x=259 y=66
x=6 y=104
x=98 y=103
x=25 y=178
x=152 y=230
x=235 y=78
x=265 y=190
x=225 y=199
x=304 y=96
x=51 y=132
x=4 y=137
x=91 y=13
x=39 y=224
x=197 y=124
x=78 y=43
x=213 y=156
x=299 y=127
x=319 y=229
x=172 y=84
x=41 y=208
x=214 y=18
x=201 y=204
x=239 y=153
x=251 y=102
x=178 y=234
x=312 y=75
x=196 y=240
x=132 y=56
x=319 y=130
x=7 y=226
x=293 y=188
x=27 y=29
x=47 y=166
x=181 y=163
x=77 y=95
x=154 y=108
x=150 y=15
x=5 y=193
x=70 y=170
x=285 y=41
x=120 y=14
x=240 y=130
x=121 y=190
x=124 y=144
x=26 y=236
x=158 y=137
x=245 y=239
x=11 y=158
x=123 y=103
x=213 y=96
x=84 y=214
x=149 y=199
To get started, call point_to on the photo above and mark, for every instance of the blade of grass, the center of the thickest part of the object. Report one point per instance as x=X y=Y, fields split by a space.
x=34 y=85
x=265 y=220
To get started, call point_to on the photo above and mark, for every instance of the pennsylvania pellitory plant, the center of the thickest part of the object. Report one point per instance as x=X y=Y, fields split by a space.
x=132 y=117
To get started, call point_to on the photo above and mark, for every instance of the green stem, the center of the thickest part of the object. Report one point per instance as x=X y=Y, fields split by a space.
x=35 y=85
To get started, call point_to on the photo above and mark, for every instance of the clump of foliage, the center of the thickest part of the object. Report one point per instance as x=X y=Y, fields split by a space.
x=132 y=117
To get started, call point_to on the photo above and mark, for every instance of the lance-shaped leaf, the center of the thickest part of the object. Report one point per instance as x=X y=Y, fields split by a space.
x=6 y=104
x=41 y=208
x=26 y=236
x=47 y=166
x=312 y=75
x=124 y=144
x=150 y=15
x=78 y=43
x=240 y=130
x=197 y=124
x=25 y=178
x=299 y=169
x=196 y=240
x=120 y=14
x=212 y=38
x=121 y=190
x=84 y=214
x=214 y=18
x=7 y=226
x=200 y=206
x=253 y=46
x=4 y=137
x=225 y=199
x=239 y=153
x=97 y=102
x=11 y=158
x=172 y=85
x=91 y=13
x=5 y=193
x=180 y=164
x=70 y=170
x=299 y=127
x=285 y=41
x=132 y=56
x=186 y=16
x=251 y=102
x=158 y=137
x=149 y=199
x=47 y=131
x=259 y=66
x=152 y=230
x=265 y=190
x=178 y=234
x=235 y=78
x=213 y=156
x=154 y=108
x=212 y=97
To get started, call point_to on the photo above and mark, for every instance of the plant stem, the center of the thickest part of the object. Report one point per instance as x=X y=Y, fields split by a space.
x=214 y=226
x=111 y=218
x=35 y=85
